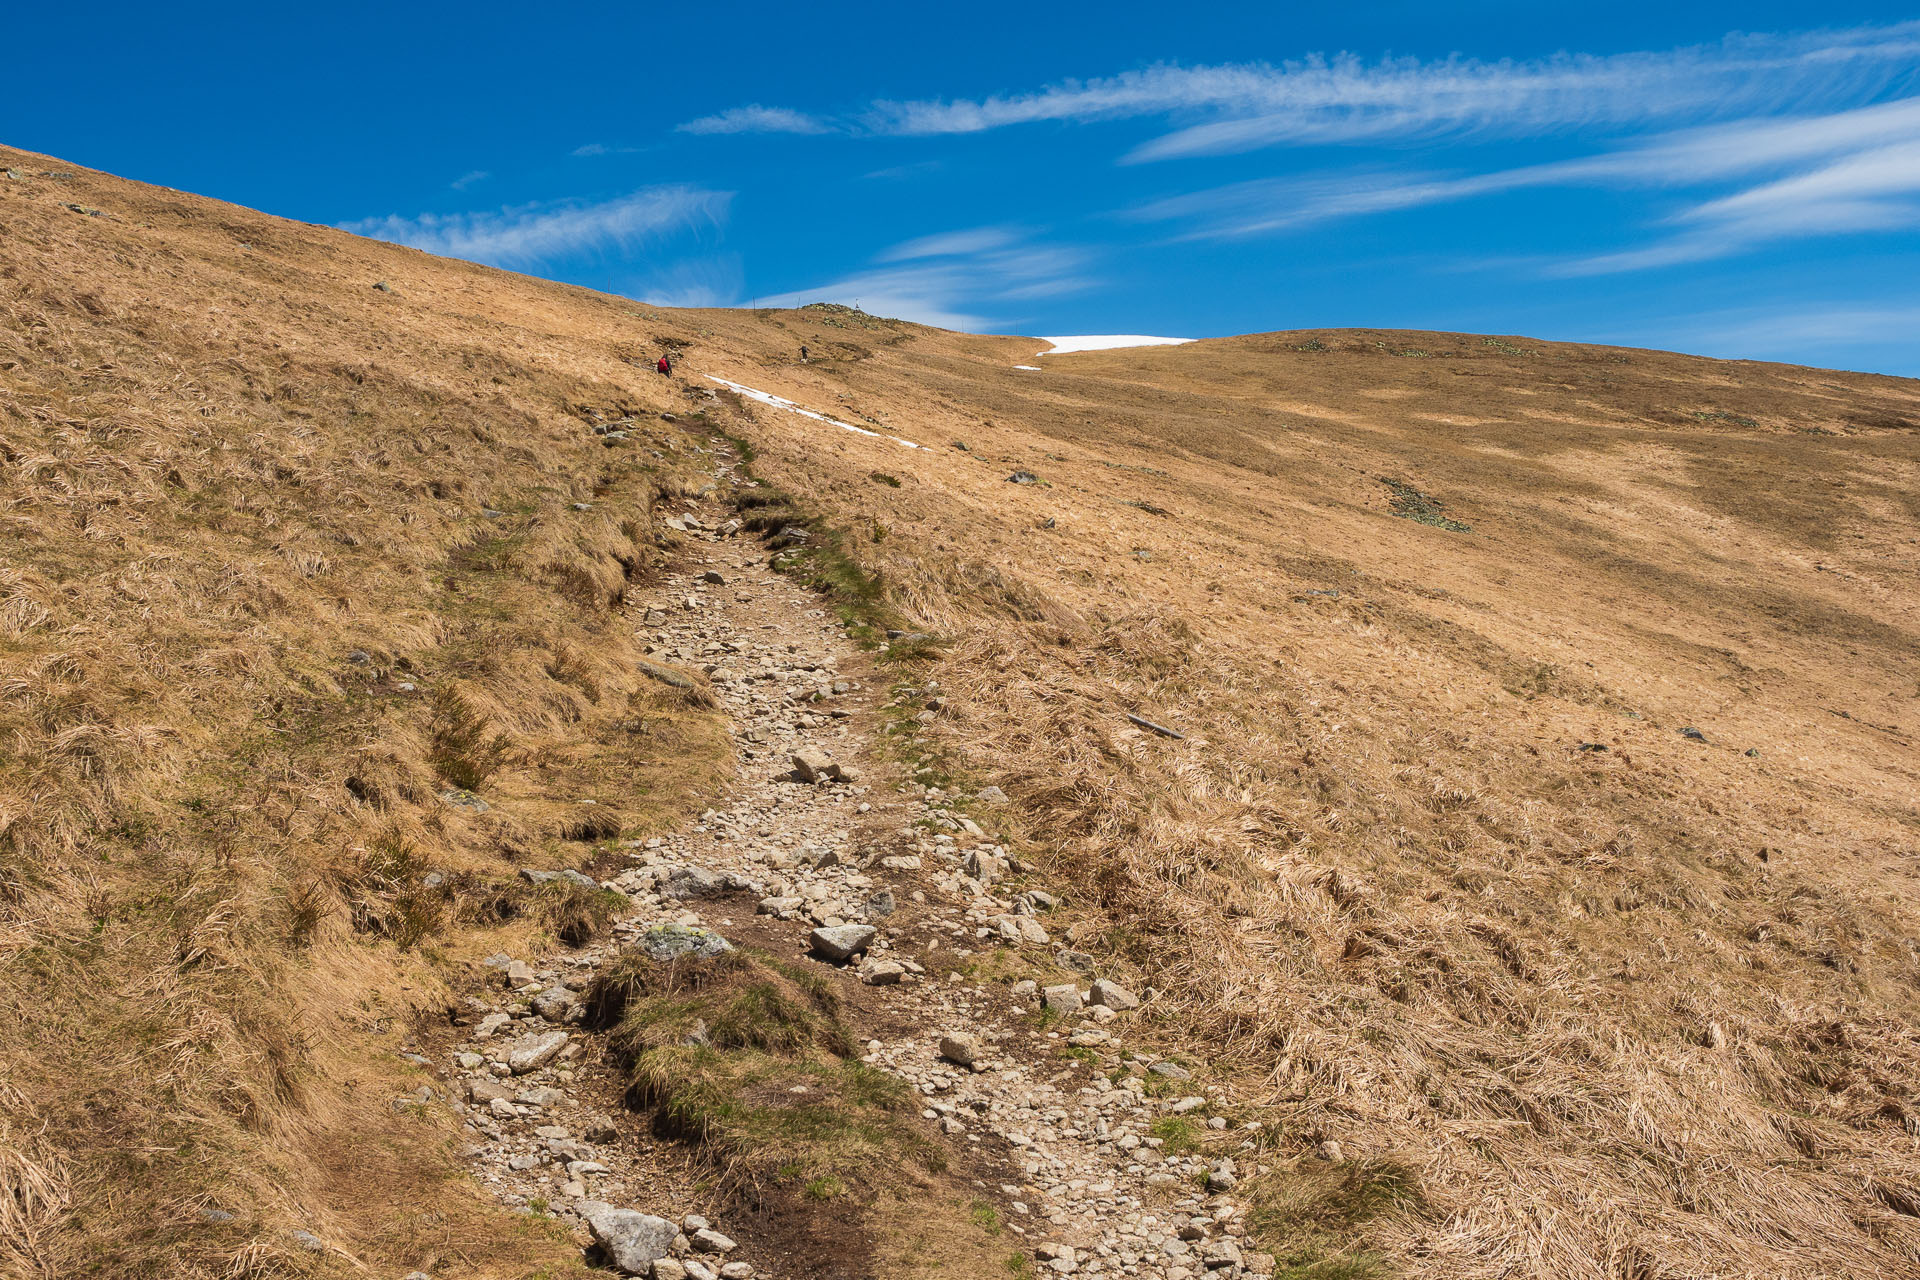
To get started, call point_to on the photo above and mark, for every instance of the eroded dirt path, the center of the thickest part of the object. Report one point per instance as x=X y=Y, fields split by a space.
x=1071 y=1152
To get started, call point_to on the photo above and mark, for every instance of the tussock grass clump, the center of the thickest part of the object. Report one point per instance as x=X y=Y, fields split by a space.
x=1310 y=1218
x=748 y=1058
x=574 y=913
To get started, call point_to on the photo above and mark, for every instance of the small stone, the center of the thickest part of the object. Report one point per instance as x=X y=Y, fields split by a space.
x=737 y=1271
x=668 y=1269
x=961 y=1049
x=308 y=1241
x=484 y=1091
x=534 y=1052
x=1062 y=999
x=713 y=576
x=1171 y=1071
x=707 y=1240
x=841 y=943
x=882 y=973
x=1223 y=1253
x=1112 y=995
x=811 y=764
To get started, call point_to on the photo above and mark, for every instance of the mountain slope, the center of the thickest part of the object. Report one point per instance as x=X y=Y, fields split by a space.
x=1518 y=977
x=1441 y=866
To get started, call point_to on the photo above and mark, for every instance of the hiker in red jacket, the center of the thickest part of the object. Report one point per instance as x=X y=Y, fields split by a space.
x=665 y=366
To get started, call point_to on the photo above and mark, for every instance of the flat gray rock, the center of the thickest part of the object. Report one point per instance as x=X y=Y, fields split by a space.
x=842 y=942
x=674 y=941
x=666 y=675
x=535 y=1052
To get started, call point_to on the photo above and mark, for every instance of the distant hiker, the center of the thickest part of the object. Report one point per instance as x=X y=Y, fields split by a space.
x=665 y=366
x=803 y=355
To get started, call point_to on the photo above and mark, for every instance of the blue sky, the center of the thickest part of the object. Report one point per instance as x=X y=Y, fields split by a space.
x=1734 y=180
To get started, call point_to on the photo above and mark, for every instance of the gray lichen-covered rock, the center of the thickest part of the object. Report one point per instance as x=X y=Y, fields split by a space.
x=633 y=1241
x=674 y=941
x=1062 y=999
x=1112 y=995
x=570 y=876
x=555 y=1003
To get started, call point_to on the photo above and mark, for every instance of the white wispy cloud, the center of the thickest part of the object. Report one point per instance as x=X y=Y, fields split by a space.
x=1344 y=99
x=713 y=281
x=757 y=119
x=1797 y=332
x=466 y=180
x=589 y=149
x=951 y=244
x=949 y=280
x=1843 y=171
x=536 y=233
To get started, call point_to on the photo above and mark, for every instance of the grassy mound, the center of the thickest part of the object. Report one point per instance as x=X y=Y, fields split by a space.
x=749 y=1058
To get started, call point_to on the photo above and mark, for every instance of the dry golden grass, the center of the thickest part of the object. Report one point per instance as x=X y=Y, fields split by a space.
x=1634 y=1012
x=1640 y=1012
x=286 y=558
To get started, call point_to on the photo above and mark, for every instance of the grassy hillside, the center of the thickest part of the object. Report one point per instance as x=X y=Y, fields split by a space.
x=1544 y=827
x=288 y=556
x=1538 y=859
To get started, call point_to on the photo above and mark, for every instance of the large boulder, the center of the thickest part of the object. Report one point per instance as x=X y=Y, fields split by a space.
x=633 y=1241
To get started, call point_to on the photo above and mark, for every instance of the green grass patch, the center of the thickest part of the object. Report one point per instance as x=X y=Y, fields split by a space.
x=1311 y=1219
x=1410 y=504
x=1177 y=1134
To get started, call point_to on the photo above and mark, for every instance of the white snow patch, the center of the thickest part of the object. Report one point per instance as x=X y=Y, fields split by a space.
x=781 y=402
x=1106 y=342
x=1030 y=368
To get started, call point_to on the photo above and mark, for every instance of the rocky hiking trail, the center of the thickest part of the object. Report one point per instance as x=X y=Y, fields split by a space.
x=937 y=942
